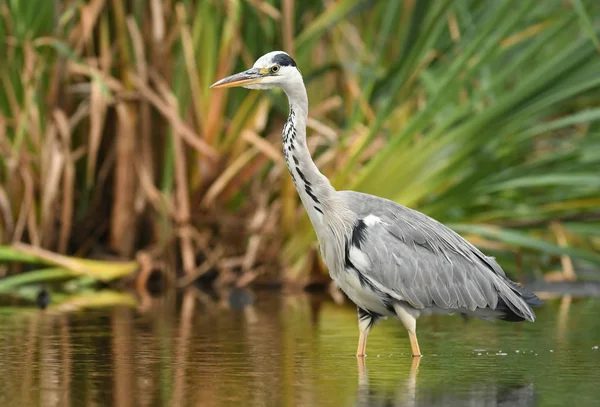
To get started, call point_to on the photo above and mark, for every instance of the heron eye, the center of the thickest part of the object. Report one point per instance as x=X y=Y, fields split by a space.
x=274 y=69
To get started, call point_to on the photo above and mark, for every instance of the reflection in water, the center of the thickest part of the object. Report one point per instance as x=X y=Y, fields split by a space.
x=408 y=394
x=122 y=357
x=404 y=395
x=277 y=350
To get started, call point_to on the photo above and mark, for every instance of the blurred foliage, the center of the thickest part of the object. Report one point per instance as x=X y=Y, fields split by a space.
x=67 y=277
x=481 y=114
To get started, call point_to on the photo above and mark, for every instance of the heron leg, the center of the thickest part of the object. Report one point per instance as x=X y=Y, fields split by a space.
x=410 y=323
x=414 y=344
x=365 y=322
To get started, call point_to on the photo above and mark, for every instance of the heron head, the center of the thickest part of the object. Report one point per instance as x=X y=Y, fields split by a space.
x=272 y=70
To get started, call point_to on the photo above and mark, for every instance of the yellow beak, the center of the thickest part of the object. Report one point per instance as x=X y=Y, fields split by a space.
x=248 y=77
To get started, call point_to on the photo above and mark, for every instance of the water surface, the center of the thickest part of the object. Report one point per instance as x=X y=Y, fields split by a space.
x=293 y=350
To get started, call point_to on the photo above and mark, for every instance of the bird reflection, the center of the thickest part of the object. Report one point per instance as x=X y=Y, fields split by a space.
x=404 y=396
x=408 y=393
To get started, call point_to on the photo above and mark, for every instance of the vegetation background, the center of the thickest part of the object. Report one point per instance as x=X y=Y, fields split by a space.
x=481 y=114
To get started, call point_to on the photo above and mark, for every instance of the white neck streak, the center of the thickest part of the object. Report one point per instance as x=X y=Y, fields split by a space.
x=326 y=211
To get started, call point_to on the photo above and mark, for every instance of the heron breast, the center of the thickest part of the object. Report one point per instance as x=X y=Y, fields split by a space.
x=361 y=294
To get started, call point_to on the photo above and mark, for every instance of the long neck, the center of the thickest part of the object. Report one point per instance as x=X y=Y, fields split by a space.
x=315 y=190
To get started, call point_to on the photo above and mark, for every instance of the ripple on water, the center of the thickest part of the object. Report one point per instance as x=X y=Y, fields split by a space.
x=294 y=350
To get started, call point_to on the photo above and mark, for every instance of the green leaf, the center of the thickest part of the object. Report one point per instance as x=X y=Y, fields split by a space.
x=586 y=22
x=10 y=283
x=101 y=270
x=591 y=180
x=524 y=240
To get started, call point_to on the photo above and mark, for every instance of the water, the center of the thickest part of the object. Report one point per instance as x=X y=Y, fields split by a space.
x=295 y=350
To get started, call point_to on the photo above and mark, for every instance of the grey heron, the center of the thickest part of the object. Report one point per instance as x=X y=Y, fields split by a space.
x=391 y=261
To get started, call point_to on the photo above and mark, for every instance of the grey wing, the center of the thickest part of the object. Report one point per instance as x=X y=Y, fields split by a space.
x=416 y=259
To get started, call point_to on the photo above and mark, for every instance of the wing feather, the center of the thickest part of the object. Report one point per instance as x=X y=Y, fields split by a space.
x=417 y=259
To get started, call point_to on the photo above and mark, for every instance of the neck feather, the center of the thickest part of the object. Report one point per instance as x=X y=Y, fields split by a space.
x=324 y=207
